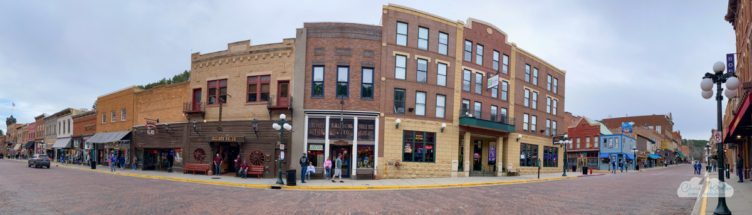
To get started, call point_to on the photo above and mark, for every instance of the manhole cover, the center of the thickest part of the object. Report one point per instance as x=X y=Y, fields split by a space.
x=215 y=177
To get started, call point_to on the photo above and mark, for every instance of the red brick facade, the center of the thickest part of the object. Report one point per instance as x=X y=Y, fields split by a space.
x=667 y=126
x=584 y=132
x=521 y=60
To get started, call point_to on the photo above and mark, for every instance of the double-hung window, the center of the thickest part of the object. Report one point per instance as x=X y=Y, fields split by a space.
x=217 y=92
x=554 y=128
x=527 y=97
x=556 y=85
x=366 y=88
x=495 y=92
x=504 y=91
x=443 y=42
x=440 y=105
x=548 y=104
x=258 y=88
x=318 y=82
x=104 y=119
x=505 y=66
x=548 y=84
x=122 y=115
x=465 y=107
x=422 y=74
x=556 y=104
x=402 y=33
x=466 y=80
x=595 y=142
x=423 y=38
x=477 y=110
x=503 y=116
x=478 y=83
x=112 y=118
x=479 y=54
x=548 y=127
x=420 y=103
x=527 y=73
x=535 y=100
x=343 y=77
x=525 y=122
x=535 y=76
x=533 y=123
x=587 y=142
x=399 y=101
x=494 y=109
x=468 y=51
x=400 y=65
x=578 y=142
x=441 y=77
x=496 y=60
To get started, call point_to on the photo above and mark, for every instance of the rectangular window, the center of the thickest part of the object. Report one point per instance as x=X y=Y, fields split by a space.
x=496 y=60
x=465 y=107
x=550 y=155
x=423 y=38
x=548 y=127
x=595 y=142
x=477 y=110
x=554 y=128
x=402 y=33
x=440 y=106
x=503 y=116
x=466 y=80
x=258 y=88
x=535 y=100
x=527 y=73
x=535 y=76
x=505 y=66
x=422 y=74
x=468 y=51
x=587 y=142
x=524 y=122
x=578 y=142
x=343 y=81
x=104 y=118
x=400 y=65
x=318 y=82
x=528 y=154
x=556 y=85
x=112 y=119
x=494 y=109
x=658 y=129
x=418 y=146
x=504 y=91
x=556 y=105
x=548 y=104
x=548 y=84
x=527 y=97
x=366 y=86
x=478 y=83
x=399 y=101
x=495 y=92
x=217 y=92
x=420 y=103
x=534 y=124
x=122 y=115
x=442 y=74
x=443 y=43
x=479 y=54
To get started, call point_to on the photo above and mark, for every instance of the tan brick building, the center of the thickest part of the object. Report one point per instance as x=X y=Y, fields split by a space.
x=115 y=120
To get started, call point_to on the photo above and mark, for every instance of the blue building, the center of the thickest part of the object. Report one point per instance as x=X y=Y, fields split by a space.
x=616 y=147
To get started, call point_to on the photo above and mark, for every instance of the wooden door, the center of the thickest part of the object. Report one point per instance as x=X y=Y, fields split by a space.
x=196 y=99
x=283 y=94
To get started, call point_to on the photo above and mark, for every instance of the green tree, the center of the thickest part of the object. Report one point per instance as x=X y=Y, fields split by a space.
x=94 y=107
x=1 y=132
x=184 y=76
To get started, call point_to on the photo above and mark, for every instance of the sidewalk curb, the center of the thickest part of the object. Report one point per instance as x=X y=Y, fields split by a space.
x=334 y=188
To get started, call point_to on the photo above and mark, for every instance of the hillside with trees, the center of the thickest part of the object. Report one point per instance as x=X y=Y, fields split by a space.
x=184 y=76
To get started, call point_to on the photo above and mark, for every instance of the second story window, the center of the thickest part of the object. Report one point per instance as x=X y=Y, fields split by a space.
x=494 y=109
x=258 y=88
x=440 y=105
x=468 y=51
x=587 y=142
x=217 y=92
x=527 y=97
x=496 y=60
x=548 y=127
x=399 y=101
x=423 y=38
x=422 y=73
x=477 y=110
x=479 y=54
x=441 y=77
x=478 y=83
x=553 y=128
x=402 y=33
x=420 y=103
x=122 y=115
x=318 y=82
x=112 y=119
x=343 y=81
x=535 y=76
x=504 y=91
x=104 y=118
x=548 y=104
x=400 y=63
x=465 y=107
x=505 y=66
x=366 y=89
x=556 y=85
x=524 y=122
x=556 y=104
x=548 y=84
x=535 y=100
x=443 y=42
x=533 y=123
x=466 y=80
x=527 y=73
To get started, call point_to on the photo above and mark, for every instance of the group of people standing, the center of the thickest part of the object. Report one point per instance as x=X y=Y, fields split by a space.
x=622 y=165
x=306 y=171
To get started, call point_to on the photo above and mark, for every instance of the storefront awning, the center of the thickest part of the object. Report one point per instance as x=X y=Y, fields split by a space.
x=630 y=156
x=29 y=145
x=18 y=147
x=63 y=143
x=107 y=137
x=655 y=156
x=680 y=154
x=604 y=155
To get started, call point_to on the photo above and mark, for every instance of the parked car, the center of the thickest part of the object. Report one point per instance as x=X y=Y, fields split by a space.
x=39 y=161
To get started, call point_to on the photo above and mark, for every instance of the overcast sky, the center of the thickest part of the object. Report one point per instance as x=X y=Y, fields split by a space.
x=621 y=57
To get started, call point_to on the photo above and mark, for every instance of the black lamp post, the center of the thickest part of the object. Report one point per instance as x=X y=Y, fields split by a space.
x=634 y=153
x=707 y=86
x=564 y=142
x=281 y=125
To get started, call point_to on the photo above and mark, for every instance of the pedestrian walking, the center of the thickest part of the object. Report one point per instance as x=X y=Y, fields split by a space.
x=135 y=162
x=122 y=162
x=237 y=166
x=613 y=167
x=303 y=164
x=338 y=170
x=621 y=165
x=715 y=164
x=62 y=159
x=113 y=163
x=328 y=168
x=217 y=164
x=739 y=166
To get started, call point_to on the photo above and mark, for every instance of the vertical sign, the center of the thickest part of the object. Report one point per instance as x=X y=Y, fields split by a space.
x=730 y=62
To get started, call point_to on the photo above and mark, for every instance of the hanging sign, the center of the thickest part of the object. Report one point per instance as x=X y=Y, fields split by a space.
x=730 y=62
x=493 y=81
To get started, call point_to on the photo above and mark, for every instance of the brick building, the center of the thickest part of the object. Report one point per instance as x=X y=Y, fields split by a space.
x=662 y=124
x=115 y=120
x=50 y=134
x=40 y=147
x=84 y=127
x=10 y=133
x=585 y=136
x=63 y=141
x=570 y=119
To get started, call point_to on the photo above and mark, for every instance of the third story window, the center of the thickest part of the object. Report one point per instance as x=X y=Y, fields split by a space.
x=478 y=83
x=527 y=73
x=366 y=90
x=422 y=74
x=258 y=88
x=556 y=85
x=535 y=76
x=443 y=42
x=468 y=50
x=504 y=90
x=402 y=33
x=423 y=38
x=466 y=80
x=318 y=81
x=505 y=66
x=400 y=63
x=442 y=74
x=535 y=100
x=343 y=77
x=556 y=104
x=548 y=84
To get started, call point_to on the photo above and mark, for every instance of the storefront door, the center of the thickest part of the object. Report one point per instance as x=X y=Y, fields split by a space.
x=345 y=152
x=283 y=95
x=477 y=155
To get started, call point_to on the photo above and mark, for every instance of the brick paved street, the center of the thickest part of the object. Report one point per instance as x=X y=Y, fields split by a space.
x=66 y=191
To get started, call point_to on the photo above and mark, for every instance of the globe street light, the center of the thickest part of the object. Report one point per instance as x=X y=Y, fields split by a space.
x=564 y=142
x=281 y=125
x=732 y=83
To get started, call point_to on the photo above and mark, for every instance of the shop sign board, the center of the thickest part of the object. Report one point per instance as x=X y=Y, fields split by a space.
x=730 y=62
x=228 y=139
x=493 y=81
x=664 y=145
x=316 y=147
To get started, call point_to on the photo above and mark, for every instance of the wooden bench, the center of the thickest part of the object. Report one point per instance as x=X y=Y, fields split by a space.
x=360 y=172
x=256 y=170
x=197 y=167
x=319 y=173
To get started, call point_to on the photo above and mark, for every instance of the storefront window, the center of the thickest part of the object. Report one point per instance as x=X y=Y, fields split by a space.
x=528 y=154
x=365 y=156
x=550 y=158
x=178 y=157
x=316 y=154
x=366 y=129
x=316 y=128
x=346 y=133
x=418 y=146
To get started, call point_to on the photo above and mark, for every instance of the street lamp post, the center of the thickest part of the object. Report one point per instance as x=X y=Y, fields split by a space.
x=281 y=125
x=634 y=152
x=707 y=156
x=732 y=83
x=564 y=142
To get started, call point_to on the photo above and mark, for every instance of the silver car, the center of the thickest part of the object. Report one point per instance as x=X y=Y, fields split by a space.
x=39 y=161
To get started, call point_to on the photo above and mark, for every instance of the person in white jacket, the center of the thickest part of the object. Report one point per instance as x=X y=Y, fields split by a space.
x=311 y=170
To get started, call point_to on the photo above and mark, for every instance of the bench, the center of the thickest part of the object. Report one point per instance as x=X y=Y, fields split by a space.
x=319 y=173
x=197 y=167
x=256 y=170
x=512 y=171
x=360 y=172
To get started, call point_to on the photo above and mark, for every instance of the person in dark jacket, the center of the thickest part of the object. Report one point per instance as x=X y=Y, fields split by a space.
x=303 y=164
x=739 y=166
x=121 y=160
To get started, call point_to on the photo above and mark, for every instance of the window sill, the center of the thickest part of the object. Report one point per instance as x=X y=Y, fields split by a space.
x=256 y=103
x=366 y=99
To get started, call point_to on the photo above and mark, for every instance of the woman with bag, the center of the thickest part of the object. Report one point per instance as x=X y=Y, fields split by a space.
x=327 y=168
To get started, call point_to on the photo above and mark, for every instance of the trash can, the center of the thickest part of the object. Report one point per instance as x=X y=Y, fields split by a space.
x=584 y=170
x=291 y=177
x=93 y=164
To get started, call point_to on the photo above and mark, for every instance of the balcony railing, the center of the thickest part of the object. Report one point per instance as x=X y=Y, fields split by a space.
x=193 y=107
x=487 y=120
x=488 y=116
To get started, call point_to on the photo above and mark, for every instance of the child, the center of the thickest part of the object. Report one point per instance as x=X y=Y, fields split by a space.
x=311 y=170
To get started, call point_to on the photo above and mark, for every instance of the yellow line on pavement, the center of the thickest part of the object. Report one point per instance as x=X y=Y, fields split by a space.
x=705 y=195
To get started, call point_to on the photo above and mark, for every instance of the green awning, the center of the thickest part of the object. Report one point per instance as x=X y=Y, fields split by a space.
x=680 y=154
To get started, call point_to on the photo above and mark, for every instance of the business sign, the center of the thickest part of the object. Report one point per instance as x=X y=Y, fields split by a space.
x=228 y=139
x=664 y=145
x=315 y=147
x=557 y=140
x=493 y=81
x=626 y=128
x=730 y=62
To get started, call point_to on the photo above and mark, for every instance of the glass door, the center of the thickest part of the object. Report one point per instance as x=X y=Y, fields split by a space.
x=345 y=152
x=477 y=155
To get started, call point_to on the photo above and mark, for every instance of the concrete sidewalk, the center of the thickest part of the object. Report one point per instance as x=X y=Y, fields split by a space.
x=739 y=203
x=321 y=184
